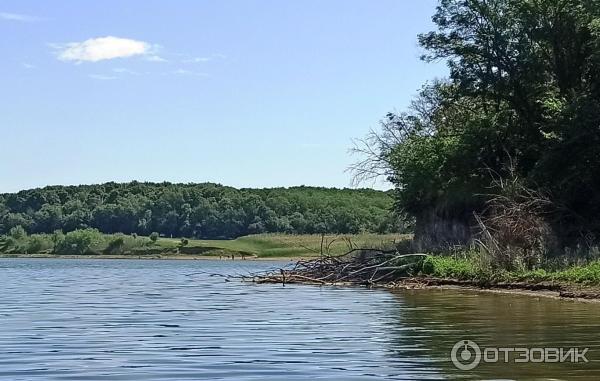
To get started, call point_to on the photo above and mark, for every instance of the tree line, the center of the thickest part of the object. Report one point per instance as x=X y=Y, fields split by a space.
x=196 y=210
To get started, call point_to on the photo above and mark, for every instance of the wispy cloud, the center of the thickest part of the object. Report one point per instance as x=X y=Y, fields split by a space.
x=102 y=77
x=188 y=72
x=203 y=59
x=17 y=17
x=156 y=58
x=29 y=66
x=122 y=70
x=197 y=60
x=103 y=48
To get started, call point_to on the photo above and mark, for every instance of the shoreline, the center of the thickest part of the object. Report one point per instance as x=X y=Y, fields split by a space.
x=558 y=291
x=179 y=257
x=568 y=291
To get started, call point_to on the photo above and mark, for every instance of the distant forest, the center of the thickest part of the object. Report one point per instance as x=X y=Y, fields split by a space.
x=197 y=210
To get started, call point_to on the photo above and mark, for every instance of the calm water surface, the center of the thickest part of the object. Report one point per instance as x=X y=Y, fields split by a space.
x=166 y=320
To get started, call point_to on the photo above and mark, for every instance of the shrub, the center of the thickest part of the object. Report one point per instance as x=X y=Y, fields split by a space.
x=57 y=238
x=8 y=244
x=78 y=242
x=38 y=243
x=115 y=246
x=514 y=230
x=17 y=232
x=154 y=237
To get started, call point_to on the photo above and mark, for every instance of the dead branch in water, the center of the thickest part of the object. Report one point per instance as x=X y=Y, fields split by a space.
x=357 y=266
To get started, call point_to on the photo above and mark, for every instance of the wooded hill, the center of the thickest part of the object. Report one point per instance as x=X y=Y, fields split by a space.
x=196 y=210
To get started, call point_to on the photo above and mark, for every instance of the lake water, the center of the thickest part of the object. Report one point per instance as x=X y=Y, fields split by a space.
x=166 y=320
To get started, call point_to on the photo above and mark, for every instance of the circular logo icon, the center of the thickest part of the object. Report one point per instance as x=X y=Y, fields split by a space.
x=465 y=355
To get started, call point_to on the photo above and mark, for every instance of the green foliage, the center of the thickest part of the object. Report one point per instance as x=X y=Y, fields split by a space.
x=470 y=268
x=78 y=242
x=56 y=237
x=261 y=245
x=196 y=210
x=585 y=274
x=154 y=237
x=115 y=246
x=589 y=274
x=17 y=242
x=17 y=232
x=449 y=267
x=38 y=243
x=523 y=93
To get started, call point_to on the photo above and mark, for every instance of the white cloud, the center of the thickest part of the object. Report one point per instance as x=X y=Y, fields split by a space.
x=102 y=77
x=102 y=48
x=17 y=17
x=156 y=58
x=197 y=60
x=122 y=70
x=28 y=65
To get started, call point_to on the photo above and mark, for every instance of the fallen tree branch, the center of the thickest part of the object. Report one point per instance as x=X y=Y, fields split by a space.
x=357 y=266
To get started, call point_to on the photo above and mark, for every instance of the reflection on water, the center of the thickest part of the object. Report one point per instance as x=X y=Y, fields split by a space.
x=440 y=318
x=163 y=320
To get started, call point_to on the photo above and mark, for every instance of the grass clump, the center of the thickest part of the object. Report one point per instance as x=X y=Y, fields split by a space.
x=587 y=274
x=472 y=267
x=450 y=267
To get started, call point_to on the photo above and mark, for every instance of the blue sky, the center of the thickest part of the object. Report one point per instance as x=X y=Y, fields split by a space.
x=246 y=93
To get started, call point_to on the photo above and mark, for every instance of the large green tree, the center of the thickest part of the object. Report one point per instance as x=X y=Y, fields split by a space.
x=523 y=94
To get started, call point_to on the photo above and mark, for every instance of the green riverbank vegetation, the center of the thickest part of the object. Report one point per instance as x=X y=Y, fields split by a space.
x=500 y=161
x=90 y=242
x=469 y=267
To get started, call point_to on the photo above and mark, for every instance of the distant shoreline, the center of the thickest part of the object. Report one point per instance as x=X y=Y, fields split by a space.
x=150 y=257
x=93 y=244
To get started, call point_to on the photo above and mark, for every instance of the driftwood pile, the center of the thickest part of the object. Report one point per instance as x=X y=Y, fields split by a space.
x=358 y=266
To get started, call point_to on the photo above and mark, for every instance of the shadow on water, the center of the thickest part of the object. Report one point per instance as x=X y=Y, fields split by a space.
x=430 y=322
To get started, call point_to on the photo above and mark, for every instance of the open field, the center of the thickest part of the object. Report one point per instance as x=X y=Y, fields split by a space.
x=253 y=246
x=282 y=245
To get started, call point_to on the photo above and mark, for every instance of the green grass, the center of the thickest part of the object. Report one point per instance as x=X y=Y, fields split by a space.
x=469 y=268
x=284 y=245
x=261 y=246
x=449 y=267
x=586 y=274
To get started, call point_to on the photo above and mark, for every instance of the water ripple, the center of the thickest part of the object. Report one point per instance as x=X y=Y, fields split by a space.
x=148 y=320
